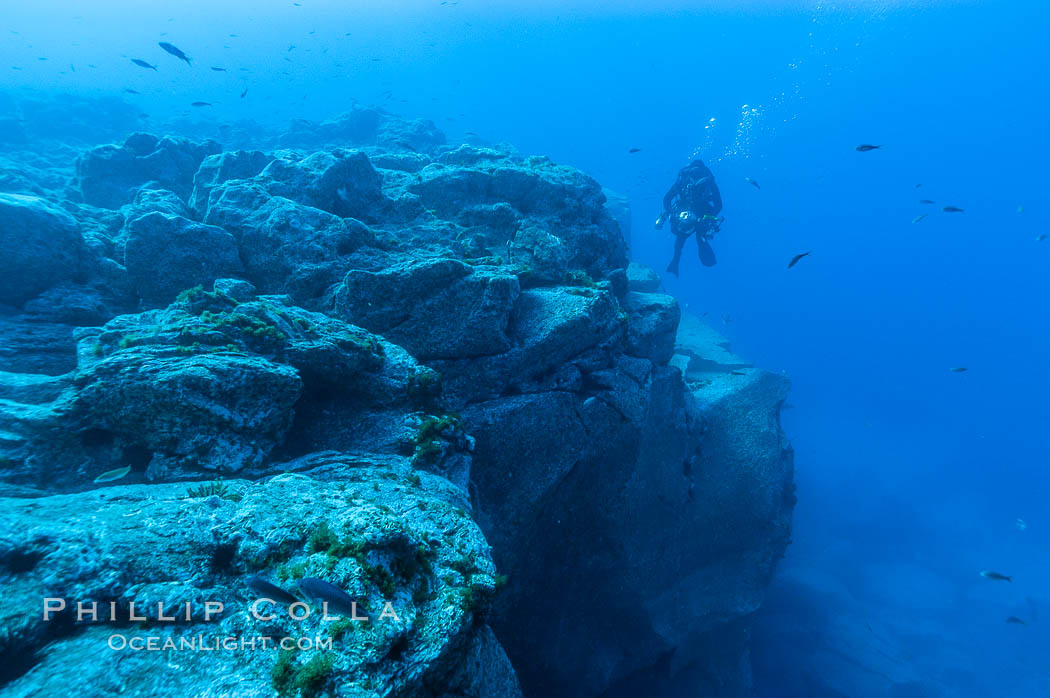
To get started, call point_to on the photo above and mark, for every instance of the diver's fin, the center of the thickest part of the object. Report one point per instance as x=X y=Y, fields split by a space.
x=707 y=253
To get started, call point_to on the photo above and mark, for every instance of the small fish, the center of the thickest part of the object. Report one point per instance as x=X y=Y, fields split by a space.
x=1020 y=209
x=1021 y=525
x=175 y=51
x=131 y=91
x=752 y=182
x=201 y=104
x=245 y=93
x=111 y=475
x=865 y=148
x=143 y=64
x=927 y=201
x=1014 y=620
x=988 y=574
x=271 y=591
x=737 y=373
x=918 y=218
x=634 y=150
x=960 y=369
x=406 y=146
x=320 y=591
x=796 y=258
x=952 y=209
x=1040 y=237
x=218 y=70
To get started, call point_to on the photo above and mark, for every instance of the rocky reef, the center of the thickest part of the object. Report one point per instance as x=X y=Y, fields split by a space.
x=424 y=373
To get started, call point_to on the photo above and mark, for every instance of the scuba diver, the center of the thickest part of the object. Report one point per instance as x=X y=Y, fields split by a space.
x=692 y=204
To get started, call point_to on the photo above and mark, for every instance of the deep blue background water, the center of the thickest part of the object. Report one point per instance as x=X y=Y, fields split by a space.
x=910 y=476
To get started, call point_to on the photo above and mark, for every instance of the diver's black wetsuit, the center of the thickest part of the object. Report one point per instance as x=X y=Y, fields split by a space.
x=692 y=204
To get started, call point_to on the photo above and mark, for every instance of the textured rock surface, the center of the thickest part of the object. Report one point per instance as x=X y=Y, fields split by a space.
x=40 y=245
x=437 y=309
x=373 y=528
x=167 y=254
x=222 y=167
x=286 y=247
x=689 y=486
x=455 y=322
x=109 y=176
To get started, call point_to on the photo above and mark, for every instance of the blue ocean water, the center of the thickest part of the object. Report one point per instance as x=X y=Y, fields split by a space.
x=912 y=478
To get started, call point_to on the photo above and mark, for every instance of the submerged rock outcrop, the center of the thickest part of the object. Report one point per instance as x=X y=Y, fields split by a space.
x=400 y=542
x=418 y=372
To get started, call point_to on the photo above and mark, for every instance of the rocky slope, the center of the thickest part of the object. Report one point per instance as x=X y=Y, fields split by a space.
x=352 y=352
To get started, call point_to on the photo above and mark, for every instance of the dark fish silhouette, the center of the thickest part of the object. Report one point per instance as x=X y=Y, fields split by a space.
x=201 y=104
x=952 y=209
x=918 y=218
x=143 y=64
x=926 y=201
x=175 y=51
x=271 y=591
x=1014 y=620
x=131 y=91
x=752 y=182
x=406 y=146
x=218 y=70
x=962 y=369
x=865 y=148
x=635 y=150
x=988 y=574
x=245 y=93
x=1040 y=237
x=320 y=591
x=794 y=260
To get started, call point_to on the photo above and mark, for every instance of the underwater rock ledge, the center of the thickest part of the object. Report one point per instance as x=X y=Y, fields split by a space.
x=417 y=371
